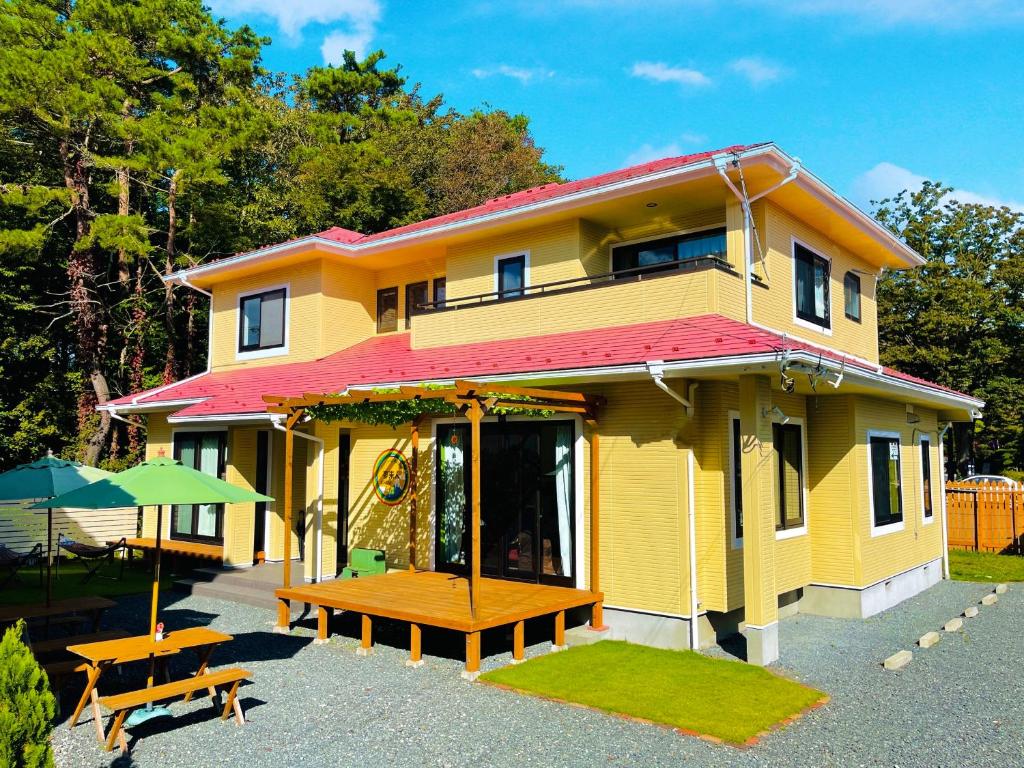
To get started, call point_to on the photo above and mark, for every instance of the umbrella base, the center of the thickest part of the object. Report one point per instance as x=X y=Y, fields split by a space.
x=140 y=716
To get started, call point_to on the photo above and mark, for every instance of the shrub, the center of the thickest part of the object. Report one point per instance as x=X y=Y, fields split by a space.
x=27 y=706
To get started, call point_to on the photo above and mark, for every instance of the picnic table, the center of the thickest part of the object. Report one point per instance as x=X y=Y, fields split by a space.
x=105 y=654
x=93 y=606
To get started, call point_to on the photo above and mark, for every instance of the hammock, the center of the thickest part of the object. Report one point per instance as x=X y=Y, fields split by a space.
x=92 y=557
x=13 y=562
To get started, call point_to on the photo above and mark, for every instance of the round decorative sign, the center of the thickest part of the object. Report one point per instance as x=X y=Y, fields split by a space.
x=391 y=475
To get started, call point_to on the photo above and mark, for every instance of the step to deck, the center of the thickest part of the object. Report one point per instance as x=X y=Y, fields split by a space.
x=247 y=595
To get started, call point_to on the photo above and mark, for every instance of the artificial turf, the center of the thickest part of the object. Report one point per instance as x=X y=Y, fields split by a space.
x=965 y=565
x=725 y=699
x=137 y=579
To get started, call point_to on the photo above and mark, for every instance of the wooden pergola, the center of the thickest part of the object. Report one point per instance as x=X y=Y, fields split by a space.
x=474 y=400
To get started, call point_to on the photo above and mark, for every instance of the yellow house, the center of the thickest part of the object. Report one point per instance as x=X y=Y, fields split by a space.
x=755 y=459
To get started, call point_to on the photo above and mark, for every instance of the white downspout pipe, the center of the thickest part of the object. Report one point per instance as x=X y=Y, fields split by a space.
x=657 y=372
x=942 y=505
x=745 y=202
x=319 y=574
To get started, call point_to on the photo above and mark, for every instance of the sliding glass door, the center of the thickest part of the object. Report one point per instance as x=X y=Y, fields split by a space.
x=206 y=452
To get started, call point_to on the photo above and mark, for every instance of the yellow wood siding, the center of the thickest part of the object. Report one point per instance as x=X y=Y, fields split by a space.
x=348 y=306
x=304 y=308
x=891 y=553
x=613 y=304
x=158 y=438
x=793 y=555
x=712 y=493
x=774 y=305
x=239 y=519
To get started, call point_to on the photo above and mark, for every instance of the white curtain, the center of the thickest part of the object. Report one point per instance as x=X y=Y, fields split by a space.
x=453 y=477
x=209 y=452
x=183 y=518
x=563 y=494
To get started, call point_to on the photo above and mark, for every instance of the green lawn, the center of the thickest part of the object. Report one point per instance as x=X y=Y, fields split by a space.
x=729 y=700
x=965 y=565
x=26 y=589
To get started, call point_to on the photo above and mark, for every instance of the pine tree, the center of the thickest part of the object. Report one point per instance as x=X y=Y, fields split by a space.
x=27 y=706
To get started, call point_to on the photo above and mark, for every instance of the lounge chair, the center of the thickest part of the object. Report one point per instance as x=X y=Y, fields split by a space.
x=12 y=562
x=92 y=557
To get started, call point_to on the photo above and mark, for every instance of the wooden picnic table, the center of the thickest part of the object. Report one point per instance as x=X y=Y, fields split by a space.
x=107 y=653
x=94 y=606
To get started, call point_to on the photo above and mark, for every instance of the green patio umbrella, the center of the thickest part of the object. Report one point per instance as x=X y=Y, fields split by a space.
x=155 y=483
x=44 y=479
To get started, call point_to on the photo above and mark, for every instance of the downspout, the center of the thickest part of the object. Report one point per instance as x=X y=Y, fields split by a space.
x=746 y=202
x=942 y=505
x=319 y=575
x=657 y=372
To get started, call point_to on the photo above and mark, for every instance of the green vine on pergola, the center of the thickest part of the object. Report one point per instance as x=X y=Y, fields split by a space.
x=395 y=413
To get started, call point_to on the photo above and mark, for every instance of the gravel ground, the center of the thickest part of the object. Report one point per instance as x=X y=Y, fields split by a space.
x=957 y=704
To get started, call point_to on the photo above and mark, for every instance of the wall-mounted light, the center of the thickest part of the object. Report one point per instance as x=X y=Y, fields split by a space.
x=777 y=412
x=912 y=418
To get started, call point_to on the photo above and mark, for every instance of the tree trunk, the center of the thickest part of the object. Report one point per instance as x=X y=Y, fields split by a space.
x=171 y=367
x=90 y=333
x=123 y=273
x=136 y=364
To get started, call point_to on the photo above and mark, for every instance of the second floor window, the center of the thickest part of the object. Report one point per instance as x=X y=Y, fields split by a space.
x=261 y=323
x=667 y=252
x=851 y=296
x=812 y=280
x=415 y=298
x=511 y=276
x=387 y=310
x=440 y=292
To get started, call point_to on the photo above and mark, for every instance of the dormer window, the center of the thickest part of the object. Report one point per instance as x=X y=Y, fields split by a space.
x=261 y=324
x=812 y=287
x=667 y=253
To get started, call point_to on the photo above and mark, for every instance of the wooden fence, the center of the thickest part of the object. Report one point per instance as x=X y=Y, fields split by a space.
x=985 y=516
x=21 y=528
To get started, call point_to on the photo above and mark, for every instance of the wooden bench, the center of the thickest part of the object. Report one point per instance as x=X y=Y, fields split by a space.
x=123 y=703
x=42 y=647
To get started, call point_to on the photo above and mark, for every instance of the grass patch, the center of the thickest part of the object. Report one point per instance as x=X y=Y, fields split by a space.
x=26 y=589
x=965 y=565
x=729 y=700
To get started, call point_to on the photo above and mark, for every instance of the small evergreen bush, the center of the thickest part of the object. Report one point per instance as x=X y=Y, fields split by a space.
x=27 y=706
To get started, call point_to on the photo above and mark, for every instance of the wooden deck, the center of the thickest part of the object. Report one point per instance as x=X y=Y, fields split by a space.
x=434 y=599
x=174 y=547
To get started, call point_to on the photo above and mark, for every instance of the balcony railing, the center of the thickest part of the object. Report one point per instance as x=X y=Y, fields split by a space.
x=649 y=272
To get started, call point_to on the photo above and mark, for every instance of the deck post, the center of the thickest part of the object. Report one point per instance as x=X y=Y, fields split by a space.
x=413 y=492
x=366 y=639
x=323 y=620
x=415 y=646
x=597 y=611
x=472 y=671
x=559 y=642
x=475 y=416
x=518 y=642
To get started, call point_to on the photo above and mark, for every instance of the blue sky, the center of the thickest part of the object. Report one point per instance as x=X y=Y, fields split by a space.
x=873 y=95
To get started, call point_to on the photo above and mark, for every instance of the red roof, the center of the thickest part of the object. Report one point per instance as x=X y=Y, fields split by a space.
x=391 y=359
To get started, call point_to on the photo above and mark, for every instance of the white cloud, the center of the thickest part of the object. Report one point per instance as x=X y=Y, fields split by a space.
x=943 y=13
x=648 y=152
x=756 y=70
x=357 y=19
x=660 y=72
x=522 y=74
x=888 y=179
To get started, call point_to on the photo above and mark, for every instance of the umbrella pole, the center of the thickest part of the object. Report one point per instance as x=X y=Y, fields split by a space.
x=49 y=555
x=156 y=592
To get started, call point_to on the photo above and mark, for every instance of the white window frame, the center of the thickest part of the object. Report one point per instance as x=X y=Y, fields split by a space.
x=884 y=530
x=259 y=354
x=792 y=533
x=737 y=541
x=526 y=268
x=794 y=242
x=227 y=463
x=925 y=440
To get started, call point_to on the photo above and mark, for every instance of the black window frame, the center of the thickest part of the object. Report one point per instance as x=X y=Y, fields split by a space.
x=196 y=437
x=781 y=523
x=440 y=293
x=631 y=251
x=804 y=256
x=887 y=440
x=927 y=497
x=737 y=479
x=511 y=293
x=851 y=287
x=411 y=310
x=381 y=293
x=262 y=296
